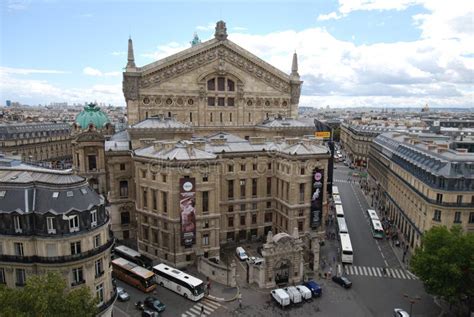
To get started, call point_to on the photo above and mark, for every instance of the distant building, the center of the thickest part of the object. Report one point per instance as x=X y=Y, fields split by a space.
x=8 y=103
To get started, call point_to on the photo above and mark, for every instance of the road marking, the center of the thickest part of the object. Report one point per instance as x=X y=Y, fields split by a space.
x=370 y=271
x=365 y=272
x=401 y=274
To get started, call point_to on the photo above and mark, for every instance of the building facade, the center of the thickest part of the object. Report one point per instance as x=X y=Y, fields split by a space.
x=54 y=221
x=422 y=183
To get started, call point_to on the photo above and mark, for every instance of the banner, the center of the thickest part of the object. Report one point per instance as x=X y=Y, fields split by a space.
x=317 y=198
x=187 y=204
x=323 y=134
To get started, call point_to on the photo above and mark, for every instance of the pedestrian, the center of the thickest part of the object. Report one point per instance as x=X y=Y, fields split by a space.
x=334 y=259
x=202 y=310
x=240 y=301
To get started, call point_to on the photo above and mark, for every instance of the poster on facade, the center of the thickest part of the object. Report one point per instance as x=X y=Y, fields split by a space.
x=317 y=198
x=187 y=204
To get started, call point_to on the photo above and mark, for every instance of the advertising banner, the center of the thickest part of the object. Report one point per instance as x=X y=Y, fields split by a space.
x=317 y=198
x=187 y=204
x=323 y=134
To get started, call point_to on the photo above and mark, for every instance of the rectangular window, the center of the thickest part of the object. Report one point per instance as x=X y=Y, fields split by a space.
x=205 y=202
x=17 y=224
x=254 y=218
x=18 y=248
x=269 y=186
x=143 y=173
x=205 y=239
x=74 y=223
x=242 y=220
x=230 y=222
x=302 y=171
x=1 y=248
x=221 y=101
x=163 y=178
x=97 y=241
x=230 y=168
x=145 y=198
x=206 y=223
x=230 y=189
x=20 y=277
x=122 y=167
x=154 y=202
x=268 y=217
x=269 y=204
x=302 y=193
x=99 y=268
x=230 y=85
x=457 y=217
x=230 y=208
x=211 y=84
x=123 y=189
x=254 y=167
x=254 y=187
x=75 y=247
x=145 y=233
x=125 y=218
x=205 y=178
x=165 y=202
x=99 y=292
x=242 y=188
x=77 y=276
x=300 y=225
x=92 y=162
x=459 y=199
x=94 y=217
x=437 y=215
x=50 y=225
x=230 y=102
x=211 y=101
x=439 y=198
x=243 y=207
x=471 y=217
x=2 y=276
x=242 y=167
x=220 y=83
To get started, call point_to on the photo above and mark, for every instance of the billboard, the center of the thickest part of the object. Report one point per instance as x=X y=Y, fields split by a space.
x=323 y=134
x=317 y=198
x=187 y=204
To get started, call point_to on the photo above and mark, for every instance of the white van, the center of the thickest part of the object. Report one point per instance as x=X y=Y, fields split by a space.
x=295 y=295
x=305 y=292
x=241 y=254
x=281 y=297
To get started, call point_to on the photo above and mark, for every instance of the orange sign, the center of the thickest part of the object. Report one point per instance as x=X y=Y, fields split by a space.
x=323 y=134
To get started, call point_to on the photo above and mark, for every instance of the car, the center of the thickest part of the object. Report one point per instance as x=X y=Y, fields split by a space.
x=254 y=260
x=241 y=254
x=150 y=313
x=342 y=280
x=314 y=287
x=154 y=303
x=398 y=312
x=281 y=297
x=295 y=295
x=122 y=295
x=305 y=292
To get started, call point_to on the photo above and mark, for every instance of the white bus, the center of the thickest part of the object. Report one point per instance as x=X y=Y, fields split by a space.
x=132 y=255
x=339 y=211
x=347 y=255
x=173 y=279
x=377 y=229
x=337 y=199
x=341 y=225
x=372 y=214
x=335 y=190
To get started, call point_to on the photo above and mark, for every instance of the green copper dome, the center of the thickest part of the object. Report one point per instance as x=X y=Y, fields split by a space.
x=92 y=114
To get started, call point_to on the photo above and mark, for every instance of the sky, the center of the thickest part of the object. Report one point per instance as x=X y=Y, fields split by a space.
x=376 y=53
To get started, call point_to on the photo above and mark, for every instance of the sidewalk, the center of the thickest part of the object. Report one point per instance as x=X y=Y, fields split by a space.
x=218 y=292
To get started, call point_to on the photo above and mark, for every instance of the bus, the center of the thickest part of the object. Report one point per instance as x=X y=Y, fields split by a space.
x=133 y=256
x=339 y=211
x=341 y=225
x=347 y=255
x=184 y=284
x=372 y=214
x=335 y=190
x=377 y=229
x=337 y=199
x=133 y=274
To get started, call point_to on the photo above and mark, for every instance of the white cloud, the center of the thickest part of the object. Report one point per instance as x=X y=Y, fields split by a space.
x=209 y=27
x=330 y=16
x=29 y=71
x=14 y=5
x=239 y=28
x=95 y=72
x=166 y=50
x=121 y=53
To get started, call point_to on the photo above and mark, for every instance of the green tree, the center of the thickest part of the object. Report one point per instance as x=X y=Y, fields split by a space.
x=445 y=263
x=44 y=296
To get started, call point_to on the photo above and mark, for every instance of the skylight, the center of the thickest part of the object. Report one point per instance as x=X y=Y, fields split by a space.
x=69 y=193
x=3 y=193
x=84 y=191
x=55 y=194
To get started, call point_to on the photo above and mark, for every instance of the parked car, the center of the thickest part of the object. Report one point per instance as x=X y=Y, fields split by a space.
x=305 y=292
x=295 y=295
x=343 y=281
x=281 y=297
x=398 y=312
x=154 y=303
x=122 y=295
x=254 y=260
x=315 y=288
x=241 y=254
x=150 y=313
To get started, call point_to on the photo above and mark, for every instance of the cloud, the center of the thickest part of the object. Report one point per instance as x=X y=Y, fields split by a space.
x=330 y=16
x=95 y=72
x=239 y=28
x=166 y=50
x=121 y=53
x=29 y=71
x=16 y=5
x=209 y=27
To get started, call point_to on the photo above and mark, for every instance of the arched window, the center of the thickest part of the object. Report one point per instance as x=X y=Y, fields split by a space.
x=220 y=92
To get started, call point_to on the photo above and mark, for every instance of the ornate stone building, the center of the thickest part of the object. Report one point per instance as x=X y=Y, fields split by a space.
x=54 y=221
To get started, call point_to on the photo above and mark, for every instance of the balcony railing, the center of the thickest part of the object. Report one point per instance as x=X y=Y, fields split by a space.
x=109 y=303
x=57 y=259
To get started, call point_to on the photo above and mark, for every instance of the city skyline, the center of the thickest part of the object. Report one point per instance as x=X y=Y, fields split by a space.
x=366 y=53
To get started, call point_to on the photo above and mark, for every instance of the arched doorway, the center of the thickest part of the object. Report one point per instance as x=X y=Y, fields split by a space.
x=282 y=272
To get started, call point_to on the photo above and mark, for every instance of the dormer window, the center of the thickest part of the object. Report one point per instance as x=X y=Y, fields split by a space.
x=17 y=224
x=74 y=223
x=94 y=218
x=55 y=194
x=2 y=194
x=221 y=92
x=69 y=193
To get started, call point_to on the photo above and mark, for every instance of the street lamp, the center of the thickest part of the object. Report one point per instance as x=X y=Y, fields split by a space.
x=412 y=300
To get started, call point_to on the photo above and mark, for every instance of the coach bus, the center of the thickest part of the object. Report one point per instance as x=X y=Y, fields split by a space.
x=133 y=274
x=377 y=229
x=182 y=283
x=347 y=254
x=337 y=199
x=133 y=256
x=339 y=211
x=335 y=190
x=341 y=225
x=372 y=214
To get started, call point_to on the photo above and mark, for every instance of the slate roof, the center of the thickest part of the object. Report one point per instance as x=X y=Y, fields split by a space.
x=159 y=123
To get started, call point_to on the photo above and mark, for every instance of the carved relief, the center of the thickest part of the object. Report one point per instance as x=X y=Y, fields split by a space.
x=295 y=93
x=130 y=87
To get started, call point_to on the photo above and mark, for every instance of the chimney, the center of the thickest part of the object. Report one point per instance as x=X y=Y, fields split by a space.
x=158 y=145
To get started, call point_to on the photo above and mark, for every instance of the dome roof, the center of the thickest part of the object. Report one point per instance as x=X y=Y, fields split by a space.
x=92 y=114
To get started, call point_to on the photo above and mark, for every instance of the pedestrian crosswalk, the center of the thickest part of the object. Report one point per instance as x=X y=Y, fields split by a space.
x=345 y=181
x=378 y=272
x=195 y=311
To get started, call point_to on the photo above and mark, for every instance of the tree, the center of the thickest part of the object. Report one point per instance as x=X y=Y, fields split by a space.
x=44 y=296
x=445 y=263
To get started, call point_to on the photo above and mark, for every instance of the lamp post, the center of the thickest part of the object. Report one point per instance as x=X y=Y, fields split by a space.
x=412 y=300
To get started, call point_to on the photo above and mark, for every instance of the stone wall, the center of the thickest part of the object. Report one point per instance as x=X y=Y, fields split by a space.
x=218 y=272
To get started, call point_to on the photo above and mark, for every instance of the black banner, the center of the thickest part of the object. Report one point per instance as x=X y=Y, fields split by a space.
x=187 y=203
x=317 y=198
